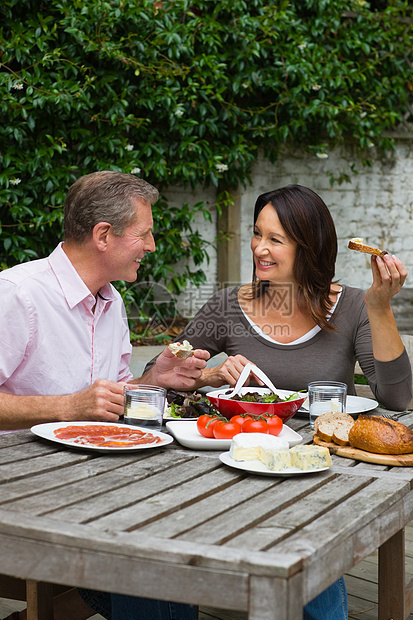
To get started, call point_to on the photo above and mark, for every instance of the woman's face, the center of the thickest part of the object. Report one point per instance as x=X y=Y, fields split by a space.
x=273 y=251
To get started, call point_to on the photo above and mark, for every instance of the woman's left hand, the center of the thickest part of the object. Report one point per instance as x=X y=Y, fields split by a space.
x=389 y=275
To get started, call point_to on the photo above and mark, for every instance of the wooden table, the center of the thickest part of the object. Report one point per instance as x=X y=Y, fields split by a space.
x=176 y=524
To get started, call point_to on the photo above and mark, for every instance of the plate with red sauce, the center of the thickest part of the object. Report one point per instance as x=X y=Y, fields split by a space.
x=102 y=436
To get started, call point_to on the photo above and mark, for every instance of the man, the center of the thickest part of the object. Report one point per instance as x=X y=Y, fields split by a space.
x=65 y=341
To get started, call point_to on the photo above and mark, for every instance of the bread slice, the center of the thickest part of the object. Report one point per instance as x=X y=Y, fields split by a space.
x=330 y=415
x=326 y=429
x=341 y=432
x=183 y=350
x=358 y=245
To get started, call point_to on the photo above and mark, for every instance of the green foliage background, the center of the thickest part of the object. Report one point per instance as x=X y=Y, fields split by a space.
x=184 y=93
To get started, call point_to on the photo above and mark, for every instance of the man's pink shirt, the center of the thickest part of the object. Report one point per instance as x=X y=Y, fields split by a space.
x=52 y=342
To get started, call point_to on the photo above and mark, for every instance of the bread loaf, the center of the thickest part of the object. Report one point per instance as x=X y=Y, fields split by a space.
x=358 y=245
x=380 y=435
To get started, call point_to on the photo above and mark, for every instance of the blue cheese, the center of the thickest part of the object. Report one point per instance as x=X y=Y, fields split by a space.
x=270 y=450
x=310 y=457
x=276 y=460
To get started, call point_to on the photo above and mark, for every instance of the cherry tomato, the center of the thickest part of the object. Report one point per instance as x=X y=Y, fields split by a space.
x=259 y=425
x=240 y=418
x=275 y=424
x=226 y=430
x=205 y=425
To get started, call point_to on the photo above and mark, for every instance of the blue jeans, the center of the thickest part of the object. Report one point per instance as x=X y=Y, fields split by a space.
x=329 y=605
x=122 y=607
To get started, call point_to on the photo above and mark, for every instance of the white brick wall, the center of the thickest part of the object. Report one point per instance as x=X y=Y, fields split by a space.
x=377 y=205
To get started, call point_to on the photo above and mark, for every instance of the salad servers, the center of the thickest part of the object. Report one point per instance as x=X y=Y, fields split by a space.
x=248 y=368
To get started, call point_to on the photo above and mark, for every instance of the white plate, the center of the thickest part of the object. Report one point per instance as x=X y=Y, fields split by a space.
x=171 y=417
x=354 y=404
x=256 y=467
x=167 y=415
x=46 y=431
x=188 y=435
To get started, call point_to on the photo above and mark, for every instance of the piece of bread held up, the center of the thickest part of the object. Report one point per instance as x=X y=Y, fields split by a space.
x=357 y=244
x=380 y=435
x=183 y=350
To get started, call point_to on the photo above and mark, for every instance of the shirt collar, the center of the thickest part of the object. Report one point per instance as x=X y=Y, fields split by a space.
x=72 y=285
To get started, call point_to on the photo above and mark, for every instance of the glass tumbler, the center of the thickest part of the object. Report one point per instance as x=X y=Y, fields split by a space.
x=324 y=396
x=144 y=405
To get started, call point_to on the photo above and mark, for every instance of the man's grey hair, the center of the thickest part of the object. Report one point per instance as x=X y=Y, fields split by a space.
x=105 y=196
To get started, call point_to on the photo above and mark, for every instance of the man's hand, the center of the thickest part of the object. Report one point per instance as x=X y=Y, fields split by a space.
x=170 y=371
x=102 y=401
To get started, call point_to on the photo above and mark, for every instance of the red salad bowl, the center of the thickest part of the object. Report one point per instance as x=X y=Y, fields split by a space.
x=228 y=408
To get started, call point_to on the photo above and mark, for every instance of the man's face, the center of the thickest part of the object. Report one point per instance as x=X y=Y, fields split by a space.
x=126 y=252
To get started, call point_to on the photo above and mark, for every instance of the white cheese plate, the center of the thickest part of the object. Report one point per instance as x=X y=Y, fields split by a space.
x=187 y=434
x=256 y=467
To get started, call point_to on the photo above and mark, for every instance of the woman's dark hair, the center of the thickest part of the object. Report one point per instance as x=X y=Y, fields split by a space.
x=307 y=221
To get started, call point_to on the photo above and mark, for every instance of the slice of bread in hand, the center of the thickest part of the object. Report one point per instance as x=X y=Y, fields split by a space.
x=183 y=350
x=358 y=245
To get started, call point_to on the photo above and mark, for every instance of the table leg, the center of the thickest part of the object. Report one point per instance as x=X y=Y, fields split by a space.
x=39 y=598
x=392 y=578
x=276 y=599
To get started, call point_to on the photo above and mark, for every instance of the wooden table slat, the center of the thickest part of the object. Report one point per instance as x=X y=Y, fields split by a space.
x=78 y=489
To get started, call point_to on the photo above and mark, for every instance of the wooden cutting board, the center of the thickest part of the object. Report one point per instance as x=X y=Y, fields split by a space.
x=401 y=460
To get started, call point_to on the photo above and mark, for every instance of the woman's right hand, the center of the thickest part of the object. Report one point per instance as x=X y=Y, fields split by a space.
x=389 y=275
x=226 y=373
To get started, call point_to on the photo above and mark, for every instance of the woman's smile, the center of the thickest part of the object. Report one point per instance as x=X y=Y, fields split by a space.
x=273 y=250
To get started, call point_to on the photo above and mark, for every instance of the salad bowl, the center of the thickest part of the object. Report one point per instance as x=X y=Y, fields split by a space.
x=289 y=404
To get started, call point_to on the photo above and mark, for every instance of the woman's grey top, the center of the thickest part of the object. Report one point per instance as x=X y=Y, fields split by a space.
x=221 y=326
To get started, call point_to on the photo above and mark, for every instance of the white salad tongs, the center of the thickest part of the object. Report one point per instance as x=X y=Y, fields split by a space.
x=244 y=376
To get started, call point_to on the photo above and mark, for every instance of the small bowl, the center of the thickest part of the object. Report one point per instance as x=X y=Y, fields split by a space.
x=229 y=408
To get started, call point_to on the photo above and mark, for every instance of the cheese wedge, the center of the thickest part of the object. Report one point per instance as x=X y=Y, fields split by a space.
x=270 y=450
x=310 y=457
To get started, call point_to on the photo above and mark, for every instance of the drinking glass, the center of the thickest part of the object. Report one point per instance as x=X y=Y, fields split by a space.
x=144 y=405
x=324 y=396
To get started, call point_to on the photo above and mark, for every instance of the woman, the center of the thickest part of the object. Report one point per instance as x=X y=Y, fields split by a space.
x=298 y=325
x=294 y=321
